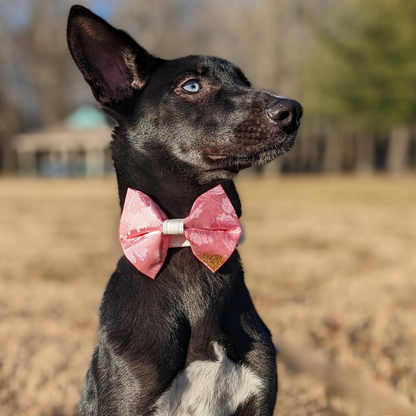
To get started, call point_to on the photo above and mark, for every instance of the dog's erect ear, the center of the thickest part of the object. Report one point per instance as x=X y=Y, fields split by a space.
x=112 y=63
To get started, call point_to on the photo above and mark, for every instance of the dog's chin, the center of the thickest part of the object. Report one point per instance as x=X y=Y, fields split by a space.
x=243 y=159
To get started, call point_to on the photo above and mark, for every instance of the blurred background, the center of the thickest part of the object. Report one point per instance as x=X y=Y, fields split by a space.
x=331 y=226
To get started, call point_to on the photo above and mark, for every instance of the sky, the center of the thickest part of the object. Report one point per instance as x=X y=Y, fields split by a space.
x=17 y=13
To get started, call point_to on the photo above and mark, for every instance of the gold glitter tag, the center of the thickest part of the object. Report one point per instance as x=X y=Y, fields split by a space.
x=214 y=261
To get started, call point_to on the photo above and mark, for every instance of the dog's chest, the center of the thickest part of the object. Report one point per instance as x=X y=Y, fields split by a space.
x=211 y=388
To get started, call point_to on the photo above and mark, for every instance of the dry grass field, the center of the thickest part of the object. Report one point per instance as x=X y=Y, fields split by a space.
x=330 y=263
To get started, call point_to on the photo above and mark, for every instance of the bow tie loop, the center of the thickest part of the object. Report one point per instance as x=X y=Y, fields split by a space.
x=212 y=230
x=174 y=227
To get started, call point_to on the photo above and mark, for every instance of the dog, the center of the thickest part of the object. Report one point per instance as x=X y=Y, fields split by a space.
x=189 y=341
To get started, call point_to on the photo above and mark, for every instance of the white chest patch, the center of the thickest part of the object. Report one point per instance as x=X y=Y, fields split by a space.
x=209 y=388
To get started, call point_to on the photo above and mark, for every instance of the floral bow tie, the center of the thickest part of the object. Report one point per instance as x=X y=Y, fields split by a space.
x=212 y=230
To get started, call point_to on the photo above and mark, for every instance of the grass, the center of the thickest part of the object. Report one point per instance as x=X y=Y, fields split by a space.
x=329 y=262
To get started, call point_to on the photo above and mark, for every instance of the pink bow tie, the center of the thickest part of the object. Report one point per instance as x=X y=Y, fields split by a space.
x=211 y=230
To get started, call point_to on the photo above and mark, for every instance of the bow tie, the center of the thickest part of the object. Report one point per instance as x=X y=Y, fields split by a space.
x=211 y=229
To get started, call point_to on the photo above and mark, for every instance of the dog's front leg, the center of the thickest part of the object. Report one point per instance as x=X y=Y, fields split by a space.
x=250 y=343
x=114 y=387
x=262 y=360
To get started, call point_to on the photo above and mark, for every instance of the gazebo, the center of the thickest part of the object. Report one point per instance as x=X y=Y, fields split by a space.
x=77 y=147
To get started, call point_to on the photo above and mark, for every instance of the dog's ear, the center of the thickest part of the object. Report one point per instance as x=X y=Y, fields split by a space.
x=112 y=63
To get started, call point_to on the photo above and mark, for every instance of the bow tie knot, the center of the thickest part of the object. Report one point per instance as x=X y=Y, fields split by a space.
x=212 y=230
x=174 y=227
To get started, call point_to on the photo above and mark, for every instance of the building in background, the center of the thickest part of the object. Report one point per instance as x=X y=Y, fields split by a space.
x=80 y=146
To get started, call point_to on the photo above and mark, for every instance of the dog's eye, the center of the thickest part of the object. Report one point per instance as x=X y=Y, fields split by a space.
x=191 y=86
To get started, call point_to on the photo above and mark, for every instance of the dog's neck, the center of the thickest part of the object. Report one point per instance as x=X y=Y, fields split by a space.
x=174 y=197
x=175 y=194
x=173 y=184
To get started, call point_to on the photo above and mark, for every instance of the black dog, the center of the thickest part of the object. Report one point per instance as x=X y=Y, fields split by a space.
x=189 y=342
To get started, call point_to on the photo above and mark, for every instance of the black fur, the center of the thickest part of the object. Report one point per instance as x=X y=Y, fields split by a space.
x=174 y=145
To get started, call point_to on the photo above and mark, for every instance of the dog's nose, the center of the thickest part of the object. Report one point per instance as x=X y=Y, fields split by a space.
x=286 y=114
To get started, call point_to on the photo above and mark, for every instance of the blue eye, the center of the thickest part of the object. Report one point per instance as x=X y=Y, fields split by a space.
x=191 y=86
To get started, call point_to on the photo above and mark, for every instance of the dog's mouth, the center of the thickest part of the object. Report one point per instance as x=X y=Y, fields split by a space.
x=217 y=157
x=243 y=158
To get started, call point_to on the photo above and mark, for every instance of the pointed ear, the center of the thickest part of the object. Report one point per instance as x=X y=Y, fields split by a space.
x=112 y=63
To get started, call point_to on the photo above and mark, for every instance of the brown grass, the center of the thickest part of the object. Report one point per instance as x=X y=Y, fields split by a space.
x=330 y=263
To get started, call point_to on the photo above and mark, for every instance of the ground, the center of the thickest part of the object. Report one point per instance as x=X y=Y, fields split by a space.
x=329 y=262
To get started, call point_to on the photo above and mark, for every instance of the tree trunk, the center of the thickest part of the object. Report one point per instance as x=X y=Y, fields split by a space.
x=333 y=150
x=365 y=153
x=398 y=147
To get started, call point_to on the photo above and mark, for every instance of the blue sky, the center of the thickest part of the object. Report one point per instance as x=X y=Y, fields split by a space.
x=17 y=13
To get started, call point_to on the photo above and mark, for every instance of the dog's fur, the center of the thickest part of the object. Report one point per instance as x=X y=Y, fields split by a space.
x=189 y=342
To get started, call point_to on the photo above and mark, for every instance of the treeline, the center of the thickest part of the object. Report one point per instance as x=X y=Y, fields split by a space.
x=351 y=63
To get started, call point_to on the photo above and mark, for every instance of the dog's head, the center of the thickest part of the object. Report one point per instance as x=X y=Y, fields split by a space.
x=192 y=119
